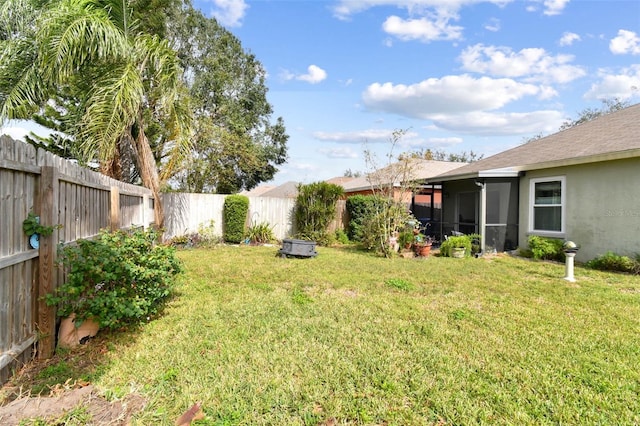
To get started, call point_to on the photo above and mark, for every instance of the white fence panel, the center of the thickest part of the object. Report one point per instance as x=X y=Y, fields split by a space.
x=184 y=213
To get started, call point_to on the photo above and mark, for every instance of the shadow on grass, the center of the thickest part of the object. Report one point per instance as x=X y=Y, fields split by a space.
x=69 y=367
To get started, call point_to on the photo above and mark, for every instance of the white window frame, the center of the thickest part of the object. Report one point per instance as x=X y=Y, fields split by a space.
x=562 y=205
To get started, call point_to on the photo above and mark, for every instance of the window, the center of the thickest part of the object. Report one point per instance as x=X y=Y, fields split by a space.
x=547 y=205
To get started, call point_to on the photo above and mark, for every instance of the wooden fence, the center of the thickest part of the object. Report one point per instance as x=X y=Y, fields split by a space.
x=83 y=202
x=60 y=193
x=185 y=213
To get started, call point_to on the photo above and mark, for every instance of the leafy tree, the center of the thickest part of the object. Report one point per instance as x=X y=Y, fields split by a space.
x=352 y=174
x=394 y=185
x=120 y=76
x=587 y=114
x=235 y=146
x=441 y=155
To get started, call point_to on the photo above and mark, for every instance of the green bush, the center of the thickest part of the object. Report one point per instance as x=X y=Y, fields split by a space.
x=116 y=279
x=360 y=208
x=463 y=241
x=615 y=262
x=342 y=237
x=543 y=248
x=315 y=209
x=235 y=212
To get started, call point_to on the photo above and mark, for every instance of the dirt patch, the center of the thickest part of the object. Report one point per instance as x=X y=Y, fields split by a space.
x=52 y=387
x=103 y=412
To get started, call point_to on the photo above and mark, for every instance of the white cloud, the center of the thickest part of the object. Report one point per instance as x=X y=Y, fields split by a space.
x=554 y=7
x=427 y=20
x=551 y=7
x=497 y=124
x=627 y=42
x=18 y=129
x=370 y=135
x=341 y=152
x=569 y=38
x=533 y=63
x=493 y=25
x=17 y=133
x=423 y=29
x=447 y=95
x=345 y=8
x=622 y=86
x=314 y=75
x=229 y=12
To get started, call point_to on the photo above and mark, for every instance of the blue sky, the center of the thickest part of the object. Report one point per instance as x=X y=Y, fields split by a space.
x=457 y=75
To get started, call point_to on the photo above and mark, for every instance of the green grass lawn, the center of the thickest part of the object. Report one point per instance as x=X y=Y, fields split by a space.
x=348 y=338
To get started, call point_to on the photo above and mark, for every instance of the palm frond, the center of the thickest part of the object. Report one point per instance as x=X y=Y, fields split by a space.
x=75 y=35
x=22 y=90
x=112 y=108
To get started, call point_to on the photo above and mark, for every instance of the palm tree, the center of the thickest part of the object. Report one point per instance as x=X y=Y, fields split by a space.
x=119 y=76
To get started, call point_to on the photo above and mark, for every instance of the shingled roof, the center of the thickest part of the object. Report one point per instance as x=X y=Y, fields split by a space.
x=608 y=137
x=418 y=169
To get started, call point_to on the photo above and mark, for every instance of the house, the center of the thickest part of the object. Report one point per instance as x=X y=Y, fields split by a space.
x=406 y=180
x=580 y=184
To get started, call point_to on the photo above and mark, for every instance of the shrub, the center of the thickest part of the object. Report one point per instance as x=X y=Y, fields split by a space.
x=315 y=209
x=543 y=248
x=207 y=234
x=360 y=209
x=615 y=262
x=261 y=233
x=204 y=237
x=463 y=241
x=235 y=212
x=381 y=219
x=341 y=237
x=116 y=279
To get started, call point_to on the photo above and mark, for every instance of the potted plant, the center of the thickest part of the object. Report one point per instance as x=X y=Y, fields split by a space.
x=33 y=229
x=405 y=239
x=422 y=245
x=456 y=246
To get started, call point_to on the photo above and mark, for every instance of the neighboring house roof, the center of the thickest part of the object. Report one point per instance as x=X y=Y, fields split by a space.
x=608 y=137
x=258 y=190
x=286 y=190
x=416 y=170
x=340 y=180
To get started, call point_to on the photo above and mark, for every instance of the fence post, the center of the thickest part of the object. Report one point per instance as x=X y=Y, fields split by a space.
x=48 y=196
x=115 y=208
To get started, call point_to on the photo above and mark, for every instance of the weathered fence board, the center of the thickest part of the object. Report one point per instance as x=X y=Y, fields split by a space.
x=60 y=192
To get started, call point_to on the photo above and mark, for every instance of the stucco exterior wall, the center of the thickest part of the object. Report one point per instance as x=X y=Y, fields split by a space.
x=602 y=206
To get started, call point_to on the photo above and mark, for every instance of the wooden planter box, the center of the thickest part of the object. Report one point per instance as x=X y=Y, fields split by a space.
x=298 y=248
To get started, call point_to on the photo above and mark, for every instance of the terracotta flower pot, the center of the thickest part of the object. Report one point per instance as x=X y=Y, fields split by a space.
x=423 y=250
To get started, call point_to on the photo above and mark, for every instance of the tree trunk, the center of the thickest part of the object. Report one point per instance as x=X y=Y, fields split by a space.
x=112 y=167
x=149 y=173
